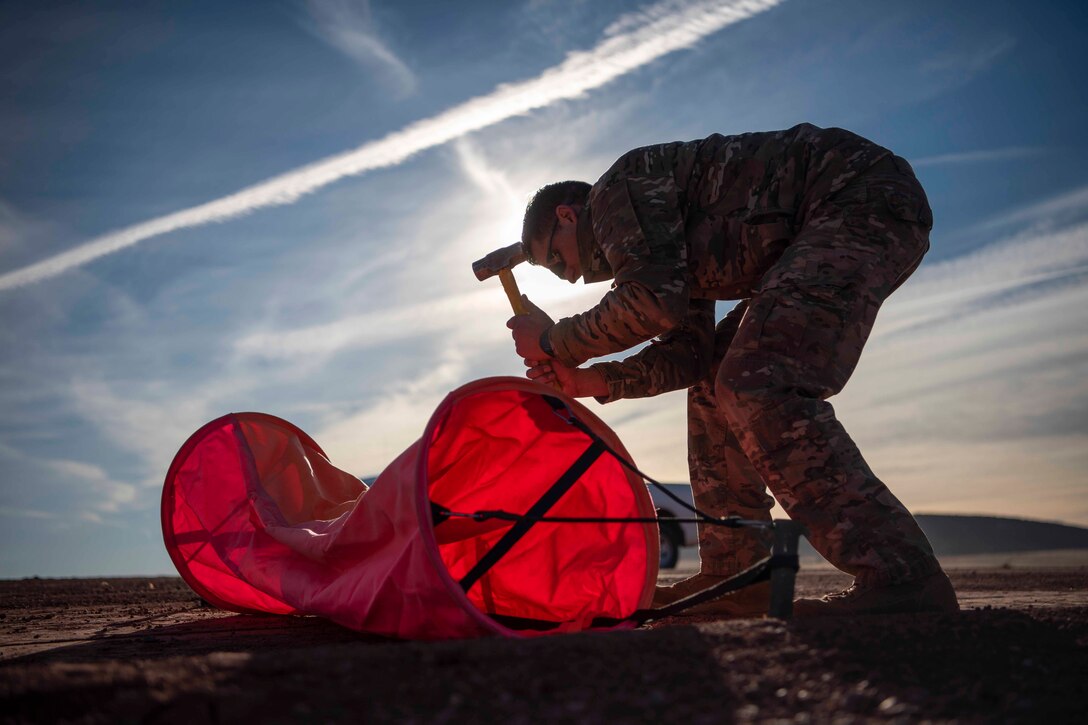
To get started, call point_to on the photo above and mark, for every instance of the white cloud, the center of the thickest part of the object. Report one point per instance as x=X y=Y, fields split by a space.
x=982 y=413
x=966 y=62
x=579 y=73
x=977 y=157
x=78 y=469
x=442 y=301
x=349 y=27
x=146 y=419
x=489 y=179
x=365 y=442
x=91 y=491
x=12 y=225
x=108 y=496
x=1048 y=213
x=376 y=327
x=21 y=233
x=941 y=289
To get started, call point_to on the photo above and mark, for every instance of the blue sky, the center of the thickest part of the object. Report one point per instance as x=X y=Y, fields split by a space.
x=207 y=207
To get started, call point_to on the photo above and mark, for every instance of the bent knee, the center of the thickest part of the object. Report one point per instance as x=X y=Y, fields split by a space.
x=743 y=385
x=747 y=385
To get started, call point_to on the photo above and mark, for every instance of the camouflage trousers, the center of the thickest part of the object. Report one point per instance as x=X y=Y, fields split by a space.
x=761 y=419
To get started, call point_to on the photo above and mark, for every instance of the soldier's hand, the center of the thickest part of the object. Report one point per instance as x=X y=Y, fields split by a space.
x=526 y=330
x=554 y=374
x=526 y=334
x=575 y=382
x=538 y=315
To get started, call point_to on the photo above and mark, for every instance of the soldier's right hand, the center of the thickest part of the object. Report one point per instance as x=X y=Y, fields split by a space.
x=539 y=315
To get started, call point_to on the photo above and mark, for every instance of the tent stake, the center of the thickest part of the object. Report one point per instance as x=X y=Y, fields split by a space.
x=784 y=567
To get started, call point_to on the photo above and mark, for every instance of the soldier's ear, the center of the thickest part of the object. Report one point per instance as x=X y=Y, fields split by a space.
x=566 y=213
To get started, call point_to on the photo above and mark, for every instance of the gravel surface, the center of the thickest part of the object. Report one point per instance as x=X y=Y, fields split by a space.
x=121 y=650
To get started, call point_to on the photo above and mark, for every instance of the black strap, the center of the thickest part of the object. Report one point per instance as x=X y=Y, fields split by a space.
x=785 y=561
x=538 y=509
x=758 y=572
x=567 y=415
x=524 y=623
x=440 y=513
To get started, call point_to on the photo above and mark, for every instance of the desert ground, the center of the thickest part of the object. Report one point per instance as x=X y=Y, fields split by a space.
x=146 y=650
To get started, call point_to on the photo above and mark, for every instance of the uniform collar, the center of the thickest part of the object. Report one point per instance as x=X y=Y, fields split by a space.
x=595 y=267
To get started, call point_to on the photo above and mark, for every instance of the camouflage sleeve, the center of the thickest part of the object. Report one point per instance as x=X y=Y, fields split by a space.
x=637 y=223
x=678 y=359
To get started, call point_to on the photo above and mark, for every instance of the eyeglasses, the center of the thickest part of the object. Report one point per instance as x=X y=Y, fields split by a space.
x=552 y=259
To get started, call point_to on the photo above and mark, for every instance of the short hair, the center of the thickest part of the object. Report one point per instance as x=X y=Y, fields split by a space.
x=541 y=209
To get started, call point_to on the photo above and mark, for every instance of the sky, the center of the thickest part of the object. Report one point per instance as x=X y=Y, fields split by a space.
x=210 y=207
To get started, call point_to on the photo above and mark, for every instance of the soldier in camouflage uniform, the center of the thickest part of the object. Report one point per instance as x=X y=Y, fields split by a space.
x=812 y=229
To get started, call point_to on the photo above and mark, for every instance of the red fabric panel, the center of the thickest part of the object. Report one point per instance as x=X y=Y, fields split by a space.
x=206 y=521
x=504 y=450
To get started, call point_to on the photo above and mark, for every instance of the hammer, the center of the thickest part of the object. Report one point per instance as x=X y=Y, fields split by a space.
x=500 y=262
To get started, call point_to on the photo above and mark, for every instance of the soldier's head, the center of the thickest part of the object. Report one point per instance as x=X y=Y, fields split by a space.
x=549 y=231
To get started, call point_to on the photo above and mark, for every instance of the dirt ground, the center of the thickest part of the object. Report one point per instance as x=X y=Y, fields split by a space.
x=128 y=650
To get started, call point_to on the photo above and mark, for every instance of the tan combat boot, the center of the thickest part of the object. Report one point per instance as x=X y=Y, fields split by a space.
x=933 y=593
x=751 y=601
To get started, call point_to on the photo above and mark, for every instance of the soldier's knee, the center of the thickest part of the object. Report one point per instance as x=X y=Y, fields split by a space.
x=741 y=388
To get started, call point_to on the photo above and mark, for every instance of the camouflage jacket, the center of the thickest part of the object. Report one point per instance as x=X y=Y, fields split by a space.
x=680 y=225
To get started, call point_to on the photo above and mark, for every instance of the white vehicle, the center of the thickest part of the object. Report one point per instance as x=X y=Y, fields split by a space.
x=673 y=534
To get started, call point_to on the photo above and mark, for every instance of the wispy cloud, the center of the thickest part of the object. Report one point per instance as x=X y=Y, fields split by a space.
x=974 y=409
x=1017 y=262
x=109 y=496
x=348 y=26
x=134 y=418
x=968 y=61
x=1069 y=207
x=20 y=233
x=369 y=439
x=93 y=491
x=373 y=328
x=10 y=226
x=976 y=157
x=489 y=179
x=583 y=71
x=467 y=316
x=19 y=513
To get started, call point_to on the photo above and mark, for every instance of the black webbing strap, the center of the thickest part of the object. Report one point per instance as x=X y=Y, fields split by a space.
x=524 y=623
x=758 y=572
x=541 y=507
x=785 y=561
x=567 y=415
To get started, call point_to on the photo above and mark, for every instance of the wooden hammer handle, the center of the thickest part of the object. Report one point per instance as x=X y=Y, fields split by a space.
x=510 y=285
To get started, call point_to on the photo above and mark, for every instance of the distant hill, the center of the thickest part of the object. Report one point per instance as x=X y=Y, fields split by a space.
x=967 y=535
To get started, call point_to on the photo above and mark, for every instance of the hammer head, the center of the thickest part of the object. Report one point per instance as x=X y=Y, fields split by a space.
x=498 y=260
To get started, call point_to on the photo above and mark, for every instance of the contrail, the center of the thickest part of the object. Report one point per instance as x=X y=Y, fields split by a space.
x=630 y=43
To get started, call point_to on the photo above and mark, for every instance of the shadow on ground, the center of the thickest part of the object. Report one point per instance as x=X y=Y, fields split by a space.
x=240 y=633
x=299 y=673
x=985 y=664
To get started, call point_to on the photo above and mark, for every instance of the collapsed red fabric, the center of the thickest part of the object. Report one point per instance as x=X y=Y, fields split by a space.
x=256 y=519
